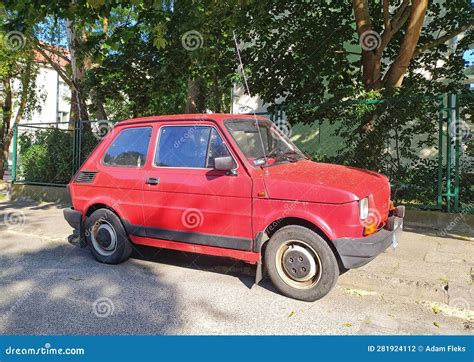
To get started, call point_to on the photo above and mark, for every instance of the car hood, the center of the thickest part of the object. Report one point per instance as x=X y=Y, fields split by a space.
x=322 y=182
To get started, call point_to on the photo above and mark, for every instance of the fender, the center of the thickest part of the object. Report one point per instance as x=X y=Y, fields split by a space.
x=316 y=220
x=108 y=201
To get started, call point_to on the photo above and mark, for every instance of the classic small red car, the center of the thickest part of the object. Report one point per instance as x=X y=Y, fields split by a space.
x=231 y=186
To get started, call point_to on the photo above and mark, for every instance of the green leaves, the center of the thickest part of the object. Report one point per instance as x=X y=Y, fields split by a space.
x=159 y=33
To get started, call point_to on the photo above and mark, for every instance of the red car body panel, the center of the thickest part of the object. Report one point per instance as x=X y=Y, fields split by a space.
x=227 y=213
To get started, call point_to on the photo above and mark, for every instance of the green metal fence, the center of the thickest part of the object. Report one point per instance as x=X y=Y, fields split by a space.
x=50 y=154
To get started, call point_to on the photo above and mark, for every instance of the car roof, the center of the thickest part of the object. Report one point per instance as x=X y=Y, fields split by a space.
x=217 y=117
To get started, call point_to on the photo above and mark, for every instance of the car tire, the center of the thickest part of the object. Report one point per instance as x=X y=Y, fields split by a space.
x=300 y=263
x=106 y=237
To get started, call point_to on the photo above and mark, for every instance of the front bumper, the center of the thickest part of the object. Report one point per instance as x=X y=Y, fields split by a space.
x=356 y=252
x=74 y=219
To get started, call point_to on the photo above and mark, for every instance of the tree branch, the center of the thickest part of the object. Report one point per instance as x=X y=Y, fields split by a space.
x=386 y=14
x=361 y=12
x=400 y=11
x=443 y=39
x=401 y=19
x=55 y=66
x=394 y=25
x=50 y=49
x=395 y=74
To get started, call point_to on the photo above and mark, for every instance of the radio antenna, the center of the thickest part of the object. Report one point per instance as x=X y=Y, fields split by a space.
x=241 y=68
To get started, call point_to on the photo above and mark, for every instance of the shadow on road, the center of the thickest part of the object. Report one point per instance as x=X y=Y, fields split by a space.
x=32 y=205
x=61 y=290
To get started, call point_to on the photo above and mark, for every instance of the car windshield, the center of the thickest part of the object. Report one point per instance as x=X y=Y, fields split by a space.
x=264 y=145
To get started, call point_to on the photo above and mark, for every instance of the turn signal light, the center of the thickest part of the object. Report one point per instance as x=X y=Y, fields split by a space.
x=392 y=206
x=370 y=229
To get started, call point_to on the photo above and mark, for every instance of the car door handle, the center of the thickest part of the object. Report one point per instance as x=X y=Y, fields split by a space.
x=152 y=180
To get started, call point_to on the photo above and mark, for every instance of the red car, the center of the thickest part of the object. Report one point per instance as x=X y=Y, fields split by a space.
x=231 y=186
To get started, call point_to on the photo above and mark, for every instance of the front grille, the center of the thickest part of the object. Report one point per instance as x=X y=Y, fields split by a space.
x=85 y=177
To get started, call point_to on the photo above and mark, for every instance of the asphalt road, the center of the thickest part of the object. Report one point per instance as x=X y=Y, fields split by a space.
x=48 y=286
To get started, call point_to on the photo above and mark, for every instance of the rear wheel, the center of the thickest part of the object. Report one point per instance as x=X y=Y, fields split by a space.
x=107 y=238
x=300 y=263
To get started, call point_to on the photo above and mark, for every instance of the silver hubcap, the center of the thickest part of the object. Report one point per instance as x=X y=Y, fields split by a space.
x=298 y=264
x=104 y=238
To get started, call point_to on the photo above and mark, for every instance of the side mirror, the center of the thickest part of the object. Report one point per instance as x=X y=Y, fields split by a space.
x=224 y=163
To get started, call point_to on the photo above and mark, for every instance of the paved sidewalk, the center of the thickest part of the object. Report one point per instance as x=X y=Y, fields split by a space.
x=48 y=286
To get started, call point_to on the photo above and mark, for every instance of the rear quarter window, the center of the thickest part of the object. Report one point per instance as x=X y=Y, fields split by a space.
x=129 y=148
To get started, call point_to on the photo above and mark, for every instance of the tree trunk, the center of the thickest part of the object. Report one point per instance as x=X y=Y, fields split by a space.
x=397 y=71
x=100 y=110
x=78 y=103
x=5 y=126
x=98 y=105
x=216 y=94
x=371 y=60
x=192 y=96
x=7 y=130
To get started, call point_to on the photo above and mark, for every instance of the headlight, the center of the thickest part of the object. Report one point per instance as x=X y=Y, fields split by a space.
x=364 y=208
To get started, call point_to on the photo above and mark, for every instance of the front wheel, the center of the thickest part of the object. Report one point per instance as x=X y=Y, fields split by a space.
x=106 y=237
x=300 y=263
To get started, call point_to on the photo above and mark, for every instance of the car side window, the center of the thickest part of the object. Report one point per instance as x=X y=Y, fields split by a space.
x=217 y=148
x=129 y=148
x=189 y=146
x=183 y=146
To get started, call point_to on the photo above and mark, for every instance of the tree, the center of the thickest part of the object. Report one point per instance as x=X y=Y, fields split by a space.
x=165 y=59
x=413 y=13
x=16 y=98
x=309 y=53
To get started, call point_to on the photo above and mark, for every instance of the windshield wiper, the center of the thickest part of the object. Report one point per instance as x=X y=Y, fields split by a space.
x=291 y=156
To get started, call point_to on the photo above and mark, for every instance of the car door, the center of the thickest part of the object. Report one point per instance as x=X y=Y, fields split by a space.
x=186 y=200
x=119 y=181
